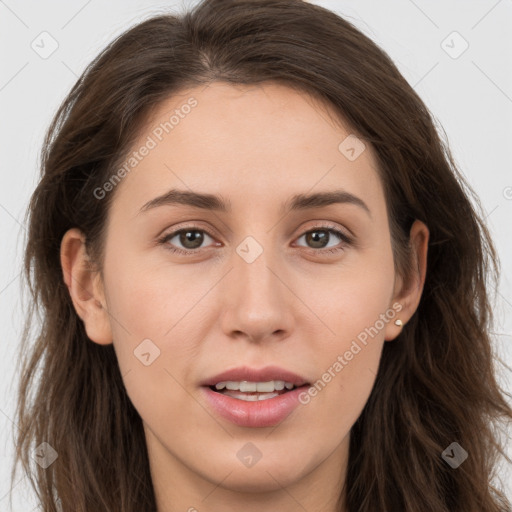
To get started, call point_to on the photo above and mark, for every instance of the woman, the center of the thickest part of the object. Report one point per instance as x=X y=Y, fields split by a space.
x=263 y=281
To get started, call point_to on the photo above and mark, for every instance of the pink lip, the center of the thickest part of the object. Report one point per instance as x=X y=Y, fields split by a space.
x=253 y=375
x=263 y=413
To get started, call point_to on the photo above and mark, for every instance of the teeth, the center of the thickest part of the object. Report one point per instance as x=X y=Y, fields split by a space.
x=250 y=398
x=248 y=386
x=252 y=387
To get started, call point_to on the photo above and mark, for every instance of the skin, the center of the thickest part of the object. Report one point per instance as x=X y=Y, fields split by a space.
x=292 y=306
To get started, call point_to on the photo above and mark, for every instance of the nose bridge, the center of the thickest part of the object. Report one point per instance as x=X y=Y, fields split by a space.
x=252 y=272
x=255 y=304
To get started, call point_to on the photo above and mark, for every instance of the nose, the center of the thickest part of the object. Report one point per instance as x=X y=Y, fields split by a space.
x=258 y=301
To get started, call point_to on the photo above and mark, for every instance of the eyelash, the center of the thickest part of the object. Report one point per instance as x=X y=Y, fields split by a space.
x=323 y=227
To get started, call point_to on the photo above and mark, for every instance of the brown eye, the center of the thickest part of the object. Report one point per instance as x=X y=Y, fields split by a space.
x=319 y=238
x=190 y=239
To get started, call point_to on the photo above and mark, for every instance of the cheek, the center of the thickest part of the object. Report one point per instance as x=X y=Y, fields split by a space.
x=149 y=299
x=356 y=309
x=157 y=318
x=154 y=340
x=353 y=296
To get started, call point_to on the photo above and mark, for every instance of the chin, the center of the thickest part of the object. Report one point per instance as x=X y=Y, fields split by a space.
x=266 y=479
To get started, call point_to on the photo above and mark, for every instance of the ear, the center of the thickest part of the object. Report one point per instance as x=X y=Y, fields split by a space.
x=85 y=287
x=406 y=296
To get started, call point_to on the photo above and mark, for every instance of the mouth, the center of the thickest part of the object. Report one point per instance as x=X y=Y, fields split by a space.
x=254 y=397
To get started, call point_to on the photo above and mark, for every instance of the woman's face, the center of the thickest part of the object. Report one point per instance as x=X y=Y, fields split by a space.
x=265 y=282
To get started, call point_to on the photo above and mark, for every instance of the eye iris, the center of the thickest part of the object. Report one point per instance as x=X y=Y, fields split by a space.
x=196 y=237
x=318 y=236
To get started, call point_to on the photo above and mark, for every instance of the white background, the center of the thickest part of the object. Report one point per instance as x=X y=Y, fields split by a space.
x=471 y=96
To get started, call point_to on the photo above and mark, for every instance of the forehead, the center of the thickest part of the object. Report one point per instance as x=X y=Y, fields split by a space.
x=248 y=143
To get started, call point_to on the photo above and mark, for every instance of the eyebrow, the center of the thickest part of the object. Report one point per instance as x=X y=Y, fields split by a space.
x=218 y=203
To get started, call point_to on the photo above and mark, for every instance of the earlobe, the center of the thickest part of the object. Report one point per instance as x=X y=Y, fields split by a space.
x=85 y=287
x=408 y=295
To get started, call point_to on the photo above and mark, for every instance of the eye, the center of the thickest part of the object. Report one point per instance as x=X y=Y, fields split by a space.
x=320 y=236
x=191 y=239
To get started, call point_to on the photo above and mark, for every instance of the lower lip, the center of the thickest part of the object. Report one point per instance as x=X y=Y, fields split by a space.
x=262 y=413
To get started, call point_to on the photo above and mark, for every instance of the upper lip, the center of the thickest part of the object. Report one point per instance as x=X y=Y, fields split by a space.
x=265 y=374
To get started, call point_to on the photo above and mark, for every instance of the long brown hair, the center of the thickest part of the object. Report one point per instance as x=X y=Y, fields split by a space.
x=436 y=384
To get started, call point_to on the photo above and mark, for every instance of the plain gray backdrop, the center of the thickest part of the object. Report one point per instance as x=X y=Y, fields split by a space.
x=456 y=54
